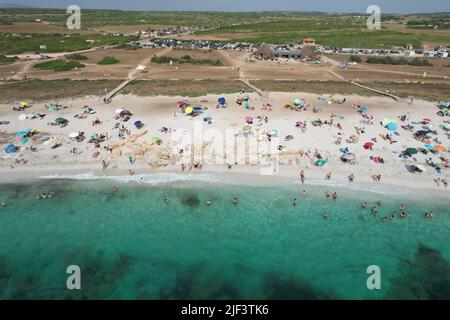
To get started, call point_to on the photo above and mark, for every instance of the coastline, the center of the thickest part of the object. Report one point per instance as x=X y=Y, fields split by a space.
x=156 y=112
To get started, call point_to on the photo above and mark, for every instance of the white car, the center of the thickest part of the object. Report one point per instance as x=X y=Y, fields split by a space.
x=352 y=63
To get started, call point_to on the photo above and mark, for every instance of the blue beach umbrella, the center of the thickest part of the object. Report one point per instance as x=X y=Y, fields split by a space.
x=11 y=149
x=222 y=100
x=392 y=126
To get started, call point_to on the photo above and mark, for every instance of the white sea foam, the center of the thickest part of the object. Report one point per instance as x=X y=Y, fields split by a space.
x=152 y=179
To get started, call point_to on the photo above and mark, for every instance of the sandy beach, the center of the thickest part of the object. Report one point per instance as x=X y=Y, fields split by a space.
x=139 y=151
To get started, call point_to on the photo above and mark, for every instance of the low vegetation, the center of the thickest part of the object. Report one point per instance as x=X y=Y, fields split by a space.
x=76 y=56
x=59 y=65
x=5 y=60
x=400 y=61
x=108 y=60
x=16 y=44
x=184 y=59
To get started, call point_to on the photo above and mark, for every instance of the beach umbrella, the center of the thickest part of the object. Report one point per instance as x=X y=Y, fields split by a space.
x=440 y=148
x=10 y=149
x=249 y=119
x=420 y=167
x=412 y=151
x=221 y=100
x=368 y=145
x=344 y=150
x=156 y=139
x=74 y=135
x=427 y=146
x=198 y=108
x=392 y=126
x=118 y=111
x=422 y=132
x=189 y=110
x=426 y=120
x=321 y=163
x=61 y=121
x=24 y=104
x=23 y=117
x=297 y=102
x=247 y=128
x=259 y=138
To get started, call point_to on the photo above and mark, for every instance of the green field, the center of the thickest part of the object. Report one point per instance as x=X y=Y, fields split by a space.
x=337 y=30
x=10 y=44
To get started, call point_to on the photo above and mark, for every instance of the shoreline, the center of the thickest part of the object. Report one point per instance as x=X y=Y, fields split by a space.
x=240 y=176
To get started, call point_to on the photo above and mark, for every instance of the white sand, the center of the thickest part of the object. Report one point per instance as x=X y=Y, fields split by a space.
x=156 y=112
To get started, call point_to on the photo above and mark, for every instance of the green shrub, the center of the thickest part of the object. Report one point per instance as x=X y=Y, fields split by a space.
x=356 y=59
x=59 y=65
x=185 y=59
x=76 y=56
x=4 y=59
x=108 y=60
x=400 y=61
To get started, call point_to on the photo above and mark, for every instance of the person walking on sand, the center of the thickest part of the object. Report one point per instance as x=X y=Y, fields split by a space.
x=302 y=177
x=445 y=183
x=328 y=176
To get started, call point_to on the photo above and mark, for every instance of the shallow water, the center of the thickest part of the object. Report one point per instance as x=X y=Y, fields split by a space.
x=131 y=245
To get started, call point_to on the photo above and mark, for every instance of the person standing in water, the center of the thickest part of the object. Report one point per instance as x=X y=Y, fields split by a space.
x=302 y=176
x=234 y=200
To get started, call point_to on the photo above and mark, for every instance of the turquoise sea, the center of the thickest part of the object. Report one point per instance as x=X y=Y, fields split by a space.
x=132 y=245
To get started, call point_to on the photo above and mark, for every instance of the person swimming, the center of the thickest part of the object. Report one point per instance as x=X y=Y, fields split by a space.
x=326 y=216
x=335 y=196
x=385 y=219
x=364 y=205
x=379 y=203
x=166 y=201
x=374 y=211
x=294 y=202
x=115 y=189
x=303 y=193
x=328 y=194
x=234 y=200
x=208 y=202
x=429 y=215
x=3 y=204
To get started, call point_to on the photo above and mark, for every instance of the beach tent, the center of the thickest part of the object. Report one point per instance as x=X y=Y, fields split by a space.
x=11 y=149
x=420 y=167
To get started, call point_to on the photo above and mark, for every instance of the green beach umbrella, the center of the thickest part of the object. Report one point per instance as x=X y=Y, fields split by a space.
x=156 y=139
x=247 y=128
x=421 y=167
x=412 y=151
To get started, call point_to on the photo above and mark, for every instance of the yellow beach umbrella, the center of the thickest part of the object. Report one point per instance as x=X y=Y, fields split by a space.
x=189 y=110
